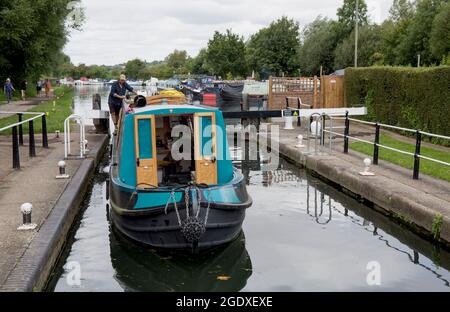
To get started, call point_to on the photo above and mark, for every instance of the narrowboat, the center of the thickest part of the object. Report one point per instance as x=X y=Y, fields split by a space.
x=161 y=199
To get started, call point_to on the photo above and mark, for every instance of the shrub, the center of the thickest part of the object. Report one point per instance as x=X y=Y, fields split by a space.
x=417 y=98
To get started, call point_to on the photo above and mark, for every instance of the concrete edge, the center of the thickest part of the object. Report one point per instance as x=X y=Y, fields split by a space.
x=34 y=268
x=405 y=209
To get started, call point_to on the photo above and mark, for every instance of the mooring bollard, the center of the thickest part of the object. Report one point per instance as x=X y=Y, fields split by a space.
x=26 y=210
x=367 y=164
x=300 y=142
x=57 y=133
x=62 y=170
x=86 y=150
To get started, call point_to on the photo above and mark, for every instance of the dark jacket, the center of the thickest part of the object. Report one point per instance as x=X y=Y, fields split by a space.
x=119 y=90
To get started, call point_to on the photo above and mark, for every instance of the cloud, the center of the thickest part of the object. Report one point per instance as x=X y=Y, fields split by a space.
x=116 y=31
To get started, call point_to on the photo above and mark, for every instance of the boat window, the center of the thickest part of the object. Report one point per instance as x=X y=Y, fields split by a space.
x=206 y=136
x=145 y=138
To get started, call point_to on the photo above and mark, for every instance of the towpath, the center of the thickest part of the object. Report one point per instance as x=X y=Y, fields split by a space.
x=25 y=256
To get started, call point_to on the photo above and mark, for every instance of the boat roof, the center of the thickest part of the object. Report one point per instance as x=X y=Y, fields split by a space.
x=150 y=108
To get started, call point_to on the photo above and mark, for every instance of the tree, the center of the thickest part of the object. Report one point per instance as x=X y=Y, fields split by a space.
x=347 y=16
x=401 y=10
x=32 y=35
x=319 y=40
x=177 y=60
x=226 y=54
x=198 y=65
x=370 y=48
x=440 y=33
x=417 y=36
x=134 y=69
x=275 y=49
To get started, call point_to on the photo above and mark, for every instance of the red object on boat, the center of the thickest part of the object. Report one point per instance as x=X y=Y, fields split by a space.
x=210 y=99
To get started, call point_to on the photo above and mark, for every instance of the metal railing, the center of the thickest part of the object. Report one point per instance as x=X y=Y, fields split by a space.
x=17 y=134
x=376 y=143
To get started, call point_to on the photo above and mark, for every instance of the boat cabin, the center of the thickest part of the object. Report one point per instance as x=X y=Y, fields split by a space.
x=147 y=137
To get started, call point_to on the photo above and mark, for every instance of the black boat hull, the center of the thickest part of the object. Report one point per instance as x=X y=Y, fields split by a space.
x=163 y=231
x=162 y=227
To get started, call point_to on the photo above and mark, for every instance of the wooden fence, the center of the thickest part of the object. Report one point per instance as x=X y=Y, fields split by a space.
x=324 y=92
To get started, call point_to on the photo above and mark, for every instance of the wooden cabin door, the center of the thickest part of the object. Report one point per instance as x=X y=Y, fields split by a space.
x=146 y=154
x=205 y=142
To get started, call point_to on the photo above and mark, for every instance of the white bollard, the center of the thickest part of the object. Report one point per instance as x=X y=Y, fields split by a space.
x=367 y=164
x=289 y=121
x=62 y=170
x=300 y=142
x=26 y=210
x=86 y=150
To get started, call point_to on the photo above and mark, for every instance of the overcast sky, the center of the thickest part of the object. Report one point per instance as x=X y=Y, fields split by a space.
x=116 y=31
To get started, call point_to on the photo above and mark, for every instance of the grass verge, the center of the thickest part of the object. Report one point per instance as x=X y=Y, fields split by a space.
x=57 y=110
x=426 y=167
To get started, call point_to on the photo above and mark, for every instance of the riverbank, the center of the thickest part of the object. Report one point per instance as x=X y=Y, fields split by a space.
x=424 y=205
x=27 y=258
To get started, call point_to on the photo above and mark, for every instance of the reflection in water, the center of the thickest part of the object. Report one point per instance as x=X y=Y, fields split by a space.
x=142 y=269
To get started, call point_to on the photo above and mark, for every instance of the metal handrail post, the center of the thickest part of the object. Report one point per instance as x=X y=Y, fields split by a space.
x=20 y=129
x=44 y=131
x=417 y=155
x=347 y=132
x=322 y=136
x=32 y=141
x=16 y=151
x=376 y=147
x=331 y=135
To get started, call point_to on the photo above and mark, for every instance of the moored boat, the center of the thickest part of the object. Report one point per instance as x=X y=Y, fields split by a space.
x=172 y=183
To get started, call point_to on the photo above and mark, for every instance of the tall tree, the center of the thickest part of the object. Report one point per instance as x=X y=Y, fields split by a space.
x=134 y=69
x=319 y=40
x=177 y=60
x=226 y=54
x=370 y=48
x=440 y=33
x=32 y=34
x=347 y=16
x=275 y=49
x=401 y=10
x=417 y=37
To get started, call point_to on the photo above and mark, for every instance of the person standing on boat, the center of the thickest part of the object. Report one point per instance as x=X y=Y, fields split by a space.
x=117 y=95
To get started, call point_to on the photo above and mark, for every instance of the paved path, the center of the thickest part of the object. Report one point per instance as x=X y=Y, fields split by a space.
x=35 y=182
x=21 y=106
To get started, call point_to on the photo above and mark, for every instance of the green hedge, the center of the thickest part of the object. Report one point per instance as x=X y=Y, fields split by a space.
x=417 y=98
